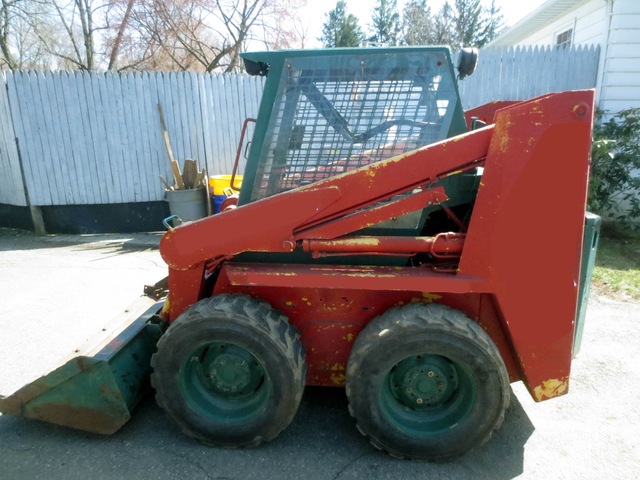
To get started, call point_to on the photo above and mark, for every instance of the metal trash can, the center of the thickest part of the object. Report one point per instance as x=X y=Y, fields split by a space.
x=188 y=204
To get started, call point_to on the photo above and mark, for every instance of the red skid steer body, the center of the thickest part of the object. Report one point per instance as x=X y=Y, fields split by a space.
x=421 y=261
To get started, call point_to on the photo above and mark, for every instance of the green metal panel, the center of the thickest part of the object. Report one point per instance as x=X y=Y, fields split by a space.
x=589 y=249
x=94 y=393
x=331 y=85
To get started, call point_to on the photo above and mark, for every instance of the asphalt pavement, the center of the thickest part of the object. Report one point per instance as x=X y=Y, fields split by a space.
x=56 y=291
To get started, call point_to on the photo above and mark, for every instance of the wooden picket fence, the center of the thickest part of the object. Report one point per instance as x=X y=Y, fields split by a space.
x=95 y=138
x=522 y=73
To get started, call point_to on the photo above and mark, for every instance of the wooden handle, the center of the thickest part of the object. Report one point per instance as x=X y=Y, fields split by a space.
x=175 y=168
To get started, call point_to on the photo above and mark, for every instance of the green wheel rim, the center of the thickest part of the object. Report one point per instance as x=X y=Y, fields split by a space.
x=427 y=394
x=225 y=382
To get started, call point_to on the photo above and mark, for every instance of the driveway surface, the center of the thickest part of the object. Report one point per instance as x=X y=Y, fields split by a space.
x=57 y=291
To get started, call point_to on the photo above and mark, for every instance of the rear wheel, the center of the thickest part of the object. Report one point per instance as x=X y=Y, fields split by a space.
x=230 y=371
x=426 y=382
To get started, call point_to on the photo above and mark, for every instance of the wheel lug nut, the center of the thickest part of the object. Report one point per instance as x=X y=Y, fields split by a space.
x=431 y=373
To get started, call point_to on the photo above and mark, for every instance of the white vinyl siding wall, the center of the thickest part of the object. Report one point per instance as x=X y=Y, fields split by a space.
x=620 y=86
x=587 y=22
x=615 y=26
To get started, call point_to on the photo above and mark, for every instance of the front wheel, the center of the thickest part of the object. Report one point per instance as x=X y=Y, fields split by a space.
x=426 y=382
x=230 y=371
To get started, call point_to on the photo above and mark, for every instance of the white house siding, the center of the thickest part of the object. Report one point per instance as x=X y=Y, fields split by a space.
x=620 y=87
x=587 y=22
x=615 y=26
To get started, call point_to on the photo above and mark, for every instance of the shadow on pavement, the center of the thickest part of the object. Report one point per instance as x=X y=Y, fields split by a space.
x=19 y=240
x=321 y=443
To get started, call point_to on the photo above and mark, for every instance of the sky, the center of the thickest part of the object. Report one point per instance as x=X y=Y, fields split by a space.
x=315 y=11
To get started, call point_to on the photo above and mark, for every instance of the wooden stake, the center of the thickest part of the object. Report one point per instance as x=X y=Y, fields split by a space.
x=175 y=167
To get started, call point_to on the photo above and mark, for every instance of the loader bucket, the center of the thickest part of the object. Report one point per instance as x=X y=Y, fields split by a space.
x=96 y=387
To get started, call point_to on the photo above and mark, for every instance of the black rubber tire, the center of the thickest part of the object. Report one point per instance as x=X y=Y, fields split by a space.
x=433 y=331
x=247 y=325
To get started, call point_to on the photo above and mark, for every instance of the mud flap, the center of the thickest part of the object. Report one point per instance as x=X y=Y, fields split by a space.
x=96 y=387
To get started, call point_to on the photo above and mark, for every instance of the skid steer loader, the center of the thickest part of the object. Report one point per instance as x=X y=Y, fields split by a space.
x=384 y=241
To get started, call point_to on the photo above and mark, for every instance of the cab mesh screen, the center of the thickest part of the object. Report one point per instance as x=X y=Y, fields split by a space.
x=335 y=114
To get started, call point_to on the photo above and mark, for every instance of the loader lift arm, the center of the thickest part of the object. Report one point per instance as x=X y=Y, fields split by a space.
x=330 y=208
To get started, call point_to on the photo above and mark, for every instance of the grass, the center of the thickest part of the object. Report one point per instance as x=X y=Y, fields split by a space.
x=617 y=272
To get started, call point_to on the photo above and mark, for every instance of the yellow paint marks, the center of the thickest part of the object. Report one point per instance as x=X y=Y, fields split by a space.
x=426 y=298
x=430 y=297
x=349 y=337
x=306 y=300
x=365 y=241
x=338 y=376
x=289 y=303
x=501 y=135
x=553 y=387
x=166 y=306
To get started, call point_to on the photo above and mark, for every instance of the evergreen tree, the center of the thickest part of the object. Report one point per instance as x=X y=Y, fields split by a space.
x=444 y=27
x=340 y=29
x=417 y=25
x=494 y=22
x=386 y=23
x=466 y=23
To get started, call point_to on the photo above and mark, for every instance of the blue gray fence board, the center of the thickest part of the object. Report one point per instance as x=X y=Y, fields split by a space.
x=11 y=186
x=522 y=73
x=95 y=138
x=89 y=138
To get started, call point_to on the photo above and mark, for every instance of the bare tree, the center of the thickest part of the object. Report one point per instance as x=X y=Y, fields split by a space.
x=280 y=26
x=204 y=35
x=122 y=27
x=7 y=21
